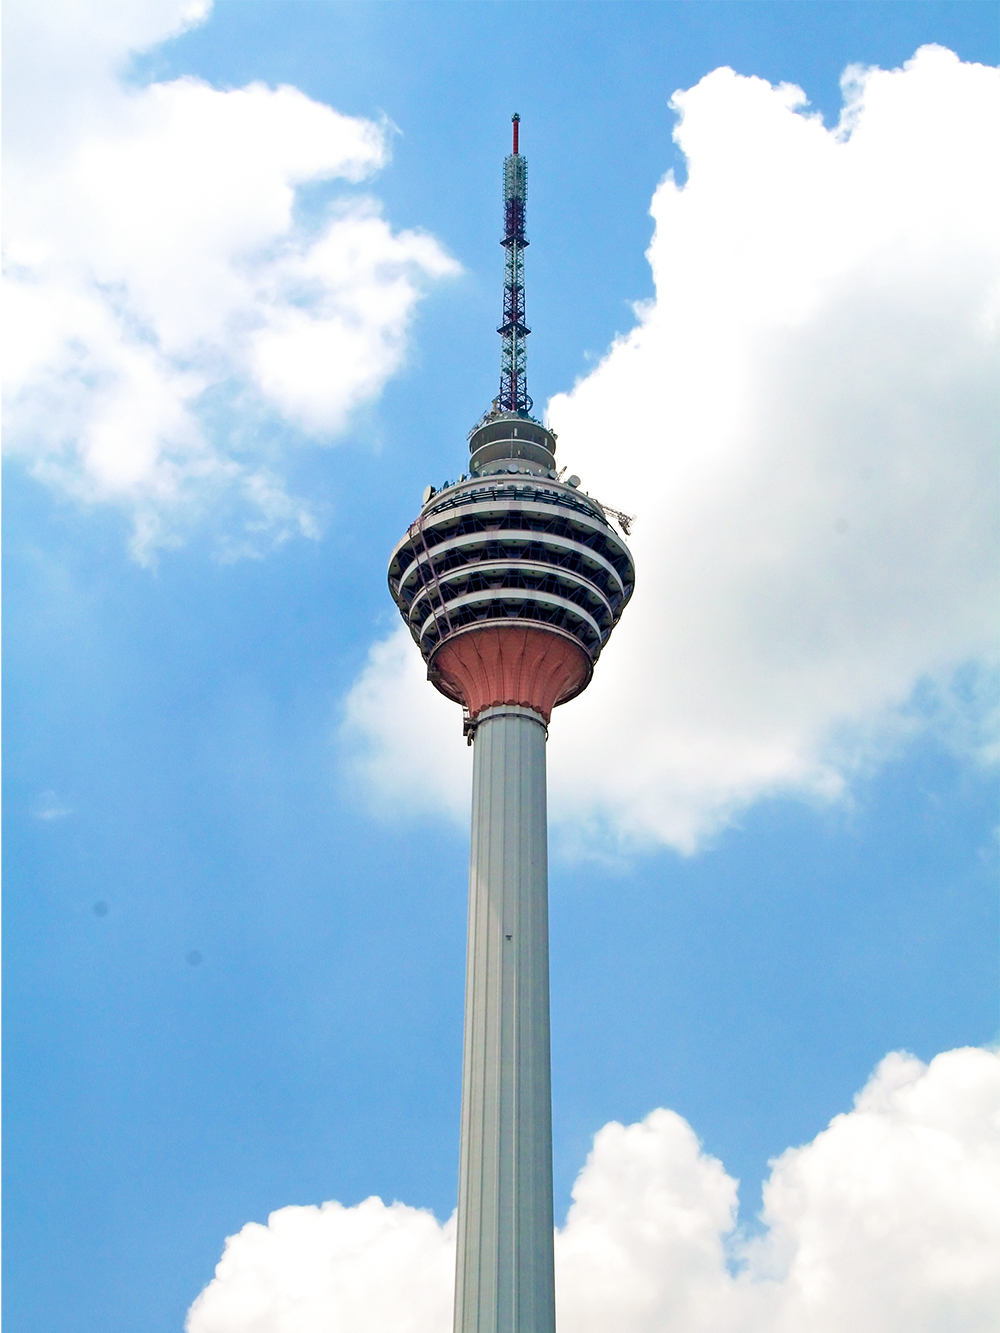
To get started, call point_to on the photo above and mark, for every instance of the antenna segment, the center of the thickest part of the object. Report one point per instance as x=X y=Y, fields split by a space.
x=514 y=354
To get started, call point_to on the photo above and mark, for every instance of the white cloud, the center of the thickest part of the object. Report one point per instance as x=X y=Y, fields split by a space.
x=157 y=268
x=888 y=1219
x=804 y=420
x=432 y=730
x=333 y=1270
x=49 y=806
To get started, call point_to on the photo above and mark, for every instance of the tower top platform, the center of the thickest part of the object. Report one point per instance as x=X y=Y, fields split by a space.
x=504 y=436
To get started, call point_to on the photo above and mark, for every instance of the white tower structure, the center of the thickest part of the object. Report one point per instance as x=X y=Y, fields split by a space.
x=510 y=581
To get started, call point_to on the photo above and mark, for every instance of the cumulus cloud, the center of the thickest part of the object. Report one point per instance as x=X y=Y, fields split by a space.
x=49 y=807
x=333 y=1269
x=888 y=1219
x=163 y=292
x=392 y=715
x=804 y=419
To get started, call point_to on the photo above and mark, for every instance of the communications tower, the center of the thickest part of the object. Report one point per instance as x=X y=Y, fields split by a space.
x=510 y=581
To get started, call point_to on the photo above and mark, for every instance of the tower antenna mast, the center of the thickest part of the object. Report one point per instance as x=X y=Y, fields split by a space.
x=514 y=331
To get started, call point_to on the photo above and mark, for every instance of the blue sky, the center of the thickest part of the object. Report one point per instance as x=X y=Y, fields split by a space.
x=233 y=961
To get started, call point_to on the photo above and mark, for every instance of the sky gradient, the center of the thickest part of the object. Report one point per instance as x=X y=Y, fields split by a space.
x=234 y=948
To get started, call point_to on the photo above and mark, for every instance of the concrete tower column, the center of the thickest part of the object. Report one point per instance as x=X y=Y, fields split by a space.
x=505 y=1223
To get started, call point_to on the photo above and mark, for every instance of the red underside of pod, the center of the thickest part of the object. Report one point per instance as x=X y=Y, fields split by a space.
x=504 y=664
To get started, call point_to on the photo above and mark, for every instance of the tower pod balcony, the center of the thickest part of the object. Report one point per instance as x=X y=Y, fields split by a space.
x=504 y=553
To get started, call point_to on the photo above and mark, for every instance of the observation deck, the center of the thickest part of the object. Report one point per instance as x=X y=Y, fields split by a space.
x=511 y=580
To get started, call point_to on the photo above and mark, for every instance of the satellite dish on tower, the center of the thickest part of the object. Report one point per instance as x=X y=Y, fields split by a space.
x=428 y=492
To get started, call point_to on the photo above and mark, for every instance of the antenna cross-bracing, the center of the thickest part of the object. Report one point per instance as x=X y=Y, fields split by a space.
x=514 y=331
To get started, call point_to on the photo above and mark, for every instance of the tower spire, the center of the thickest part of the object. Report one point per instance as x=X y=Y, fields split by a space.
x=514 y=331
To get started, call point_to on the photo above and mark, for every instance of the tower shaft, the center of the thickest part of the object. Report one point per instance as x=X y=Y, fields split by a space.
x=505 y=1224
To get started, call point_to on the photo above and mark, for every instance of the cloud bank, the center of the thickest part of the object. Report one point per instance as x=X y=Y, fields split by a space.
x=888 y=1219
x=804 y=420
x=163 y=292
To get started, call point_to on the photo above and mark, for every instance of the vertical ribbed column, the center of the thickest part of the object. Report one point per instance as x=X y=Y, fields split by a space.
x=505 y=1272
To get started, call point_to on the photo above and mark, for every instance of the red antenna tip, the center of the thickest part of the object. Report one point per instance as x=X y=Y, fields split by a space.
x=517 y=120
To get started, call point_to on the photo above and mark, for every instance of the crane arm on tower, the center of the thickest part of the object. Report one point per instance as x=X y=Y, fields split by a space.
x=624 y=521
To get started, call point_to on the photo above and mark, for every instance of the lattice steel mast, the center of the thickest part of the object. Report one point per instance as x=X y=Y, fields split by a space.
x=513 y=330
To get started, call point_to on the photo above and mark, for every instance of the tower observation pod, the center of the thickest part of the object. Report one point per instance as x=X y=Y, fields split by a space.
x=510 y=581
